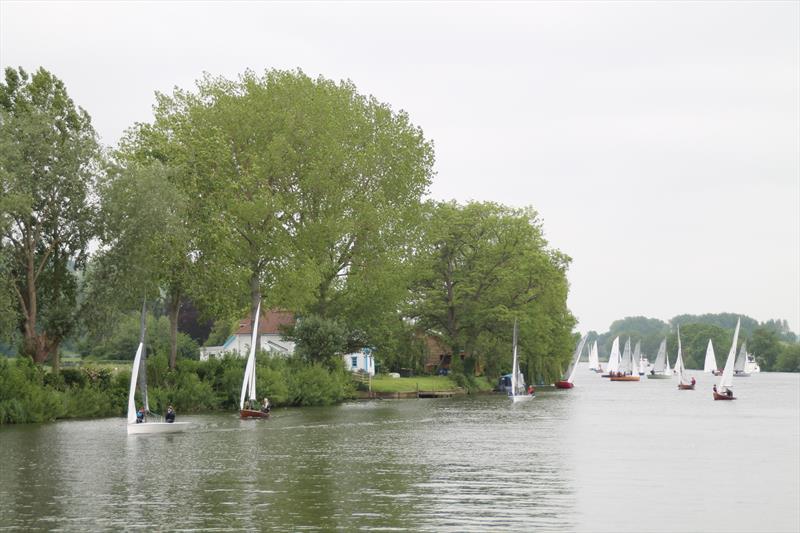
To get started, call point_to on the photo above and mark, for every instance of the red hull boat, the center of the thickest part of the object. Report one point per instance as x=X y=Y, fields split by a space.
x=625 y=378
x=718 y=396
x=682 y=386
x=252 y=413
x=564 y=385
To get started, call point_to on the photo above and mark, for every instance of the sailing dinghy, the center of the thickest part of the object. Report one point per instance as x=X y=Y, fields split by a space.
x=724 y=391
x=594 y=359
x=517 y=393
x=613 y=360
x=570 y=373
x=248 y=401
x=660 y=368
x=684 y=383
x=739 y=368
x=151 y=422
x=710 y=363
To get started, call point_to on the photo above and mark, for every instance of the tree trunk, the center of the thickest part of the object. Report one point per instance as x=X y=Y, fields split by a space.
x=174 y=309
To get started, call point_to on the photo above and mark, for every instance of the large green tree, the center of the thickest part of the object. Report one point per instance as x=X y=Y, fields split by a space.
x=482 y=266
x=298 y=187
x=49 y=160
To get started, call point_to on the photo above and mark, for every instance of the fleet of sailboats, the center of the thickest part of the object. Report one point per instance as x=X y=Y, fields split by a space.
x=621 y=367
x=629 y=370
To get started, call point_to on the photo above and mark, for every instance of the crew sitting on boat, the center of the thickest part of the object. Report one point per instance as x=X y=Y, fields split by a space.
x=170 y=414
x=693 y=381
x=265 y=407
x=530 y=389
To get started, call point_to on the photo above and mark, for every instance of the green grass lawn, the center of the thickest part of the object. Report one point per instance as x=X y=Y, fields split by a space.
x=383 y=383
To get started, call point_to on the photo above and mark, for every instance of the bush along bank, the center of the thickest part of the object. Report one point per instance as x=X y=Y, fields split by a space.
x=31 y=393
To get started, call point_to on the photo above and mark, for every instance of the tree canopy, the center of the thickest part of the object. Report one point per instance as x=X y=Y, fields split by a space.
x=49 y=161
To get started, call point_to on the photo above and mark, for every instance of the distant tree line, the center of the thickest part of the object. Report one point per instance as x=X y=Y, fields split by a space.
x=773 y=344
x=279 y=188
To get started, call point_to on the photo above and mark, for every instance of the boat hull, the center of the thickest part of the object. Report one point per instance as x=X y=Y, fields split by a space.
x=519 y=398
x=624 y=378
x=252 y=413
x=146 y=428
x=563 y=385
x=683 y=386
x=718 y=396
x=659 y=376
x=741 y=375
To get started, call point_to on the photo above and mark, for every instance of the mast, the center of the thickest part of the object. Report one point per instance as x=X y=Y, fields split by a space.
x=143 y=361
x=515 y=366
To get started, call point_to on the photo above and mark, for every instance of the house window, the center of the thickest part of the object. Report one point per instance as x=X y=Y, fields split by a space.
x=354 y=361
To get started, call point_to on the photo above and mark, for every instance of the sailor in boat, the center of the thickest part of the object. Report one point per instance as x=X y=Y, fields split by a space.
x=530 y=390
x=265 y=407
x=694 y=381
x=140 y=415
x=170 y=414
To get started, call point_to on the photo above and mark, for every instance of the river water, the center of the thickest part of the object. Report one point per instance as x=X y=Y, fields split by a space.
x=600 y=457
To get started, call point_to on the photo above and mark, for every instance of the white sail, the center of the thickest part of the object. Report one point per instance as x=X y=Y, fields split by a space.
x=249 y=382
x=614 y=358
x=726 y=380
x=575 y=358
x=637 y=356
x=710 y=364
x=134 y=377
x=594 y=360
x=661 y=357
x=741 y=359
x=627 y=358
x=679 y=367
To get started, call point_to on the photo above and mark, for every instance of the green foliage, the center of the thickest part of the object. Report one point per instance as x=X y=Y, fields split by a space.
x=28 y=393
x=766 y=345
x=49 y=160
x=120 y=340
x=319 y=340
x=789 y=359
x=694 y=342
x=316 y=385
x=482 y=265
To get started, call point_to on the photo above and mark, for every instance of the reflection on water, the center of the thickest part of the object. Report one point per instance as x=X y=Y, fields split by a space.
x=601 y=457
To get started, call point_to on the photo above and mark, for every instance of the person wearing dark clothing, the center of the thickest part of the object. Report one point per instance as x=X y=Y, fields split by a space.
x=140 y=415
x=170 y=414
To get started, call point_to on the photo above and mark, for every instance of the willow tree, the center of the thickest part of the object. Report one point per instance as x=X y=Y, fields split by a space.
x=49 y=159
x=483 y=266
x=294 y=183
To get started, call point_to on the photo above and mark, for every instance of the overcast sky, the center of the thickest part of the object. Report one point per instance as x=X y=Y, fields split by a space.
x=660 y=142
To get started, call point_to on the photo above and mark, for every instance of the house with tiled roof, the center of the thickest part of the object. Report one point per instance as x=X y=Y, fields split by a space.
x=271 y=338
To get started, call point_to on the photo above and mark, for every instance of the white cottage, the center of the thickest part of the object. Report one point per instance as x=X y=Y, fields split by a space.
x=268 y=331
x=362 y=361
